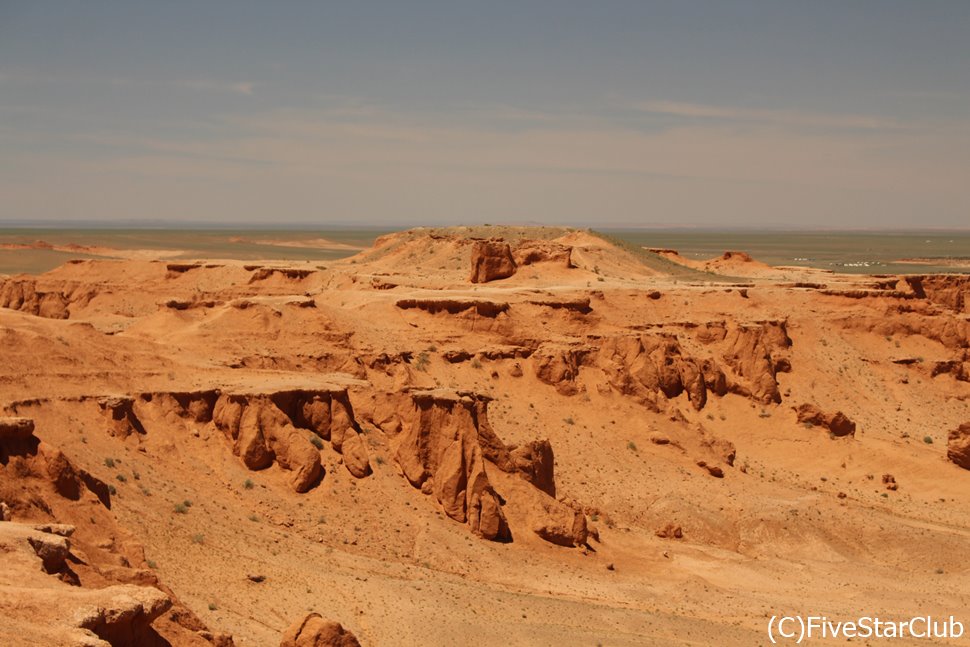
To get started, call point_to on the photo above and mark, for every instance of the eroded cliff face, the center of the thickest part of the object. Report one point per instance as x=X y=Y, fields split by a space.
x=373 y=416
x=496 y=259
x=286 y=428
x=652 y=367
x=446 y=447
x=55 y=303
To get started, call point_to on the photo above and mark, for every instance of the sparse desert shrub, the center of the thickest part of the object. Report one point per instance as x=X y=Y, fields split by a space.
x=423 y=361
x=569 y=421
x=476 y=363
x=181 y=508
x=928 y=440
x=212 y=606
x=198 y=538
x=121 y=477
x=632 y=446
x=248 y=484
x=253 y=517
x=151 y=564
x=109 y=462
x=316 y=442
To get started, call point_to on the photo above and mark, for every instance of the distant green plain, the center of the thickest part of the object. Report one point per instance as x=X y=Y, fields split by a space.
x=854 y=252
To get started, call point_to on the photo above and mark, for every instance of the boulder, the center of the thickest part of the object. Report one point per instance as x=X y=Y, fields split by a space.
x=558 y=523
x=958 y=446
x=837 y=423
x=123 y=615
x=491 y=260
x=314 y=631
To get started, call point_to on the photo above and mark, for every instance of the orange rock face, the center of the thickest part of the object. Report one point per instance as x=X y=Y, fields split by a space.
x=268 y=428
x=430 y=458
x=958 y=446
x=838 y=423
x=439 y=450
x=314 y=631
x=491 y=260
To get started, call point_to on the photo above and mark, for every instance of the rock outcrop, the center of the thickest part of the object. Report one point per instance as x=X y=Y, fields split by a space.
x=837 y=423
x=491 y=260
x=121 y=416
x=23 y=295
x=755 y=353
x=440 y=451
x=446 y=447
x=262 y=433
x=529 y=252
x=947 y=290
x=958 y=446
x=46 y=579
x=647 y=366
x=559 y=365
x=313 y=631
x=25 y=456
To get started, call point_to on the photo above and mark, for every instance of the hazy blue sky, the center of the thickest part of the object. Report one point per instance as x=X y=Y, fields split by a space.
x=764 y=113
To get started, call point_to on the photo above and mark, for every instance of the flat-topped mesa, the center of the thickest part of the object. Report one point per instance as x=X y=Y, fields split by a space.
x=442 y=442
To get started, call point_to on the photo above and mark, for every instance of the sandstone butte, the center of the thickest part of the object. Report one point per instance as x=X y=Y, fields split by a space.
x=477 y=436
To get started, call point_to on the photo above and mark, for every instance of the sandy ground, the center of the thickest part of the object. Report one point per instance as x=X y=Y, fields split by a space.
x=586 y=353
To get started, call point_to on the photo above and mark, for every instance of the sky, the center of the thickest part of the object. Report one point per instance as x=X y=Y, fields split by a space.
x=724 y=113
